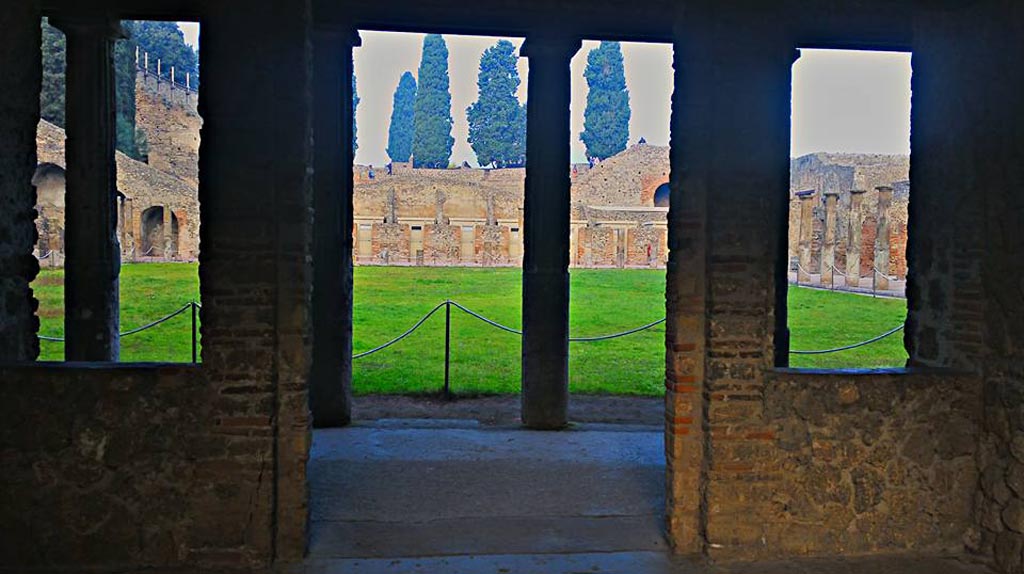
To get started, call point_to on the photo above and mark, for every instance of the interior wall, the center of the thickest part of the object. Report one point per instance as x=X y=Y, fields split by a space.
x=134 y=467
x=235 y=485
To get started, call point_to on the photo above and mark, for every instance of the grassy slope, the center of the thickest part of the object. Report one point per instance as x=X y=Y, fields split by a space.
x=388 y=300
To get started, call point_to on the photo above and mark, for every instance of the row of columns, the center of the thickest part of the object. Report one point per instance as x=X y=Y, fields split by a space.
x=881 y=248
x=545 y=347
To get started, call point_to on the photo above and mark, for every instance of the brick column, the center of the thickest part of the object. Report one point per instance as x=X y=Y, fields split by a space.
x=882 y=238
x=546 y=233
x=828 y=251
x=806 y=236
x=686 y=294
x=330 y=384
x=91 y=298
x=853 y=241
x=19 y=59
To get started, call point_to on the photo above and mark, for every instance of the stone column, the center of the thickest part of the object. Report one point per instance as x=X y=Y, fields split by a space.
x=330 y=385
x=91 y=298
x=828 y=250
x=806 y=234
x=881 y=270
x=19 y=60
x=167 y=232
x=853 y=240
x=546 y=233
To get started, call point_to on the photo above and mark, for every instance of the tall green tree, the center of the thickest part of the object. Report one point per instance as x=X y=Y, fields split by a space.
x=355 y=104
x=432 y=111
x=128 y=141
x=52 y=95
x=400 y=131
x=166 y=42
x=606 y=119
x=497 y=121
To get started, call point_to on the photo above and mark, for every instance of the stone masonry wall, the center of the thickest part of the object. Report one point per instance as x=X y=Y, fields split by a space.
x=119 y=467
x=973 y=316
x=613 y=192
x=171 y=123
x=878 y=466
x=142 y=186
x=19 y=113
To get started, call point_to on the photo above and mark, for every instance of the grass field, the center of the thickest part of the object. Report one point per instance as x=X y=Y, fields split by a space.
x=388 y=300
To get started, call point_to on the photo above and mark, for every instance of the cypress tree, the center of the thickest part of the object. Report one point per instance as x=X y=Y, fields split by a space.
x=401 y=129
x=355 y=104
x=606 y=119
x=497 y=121
x=432 y=120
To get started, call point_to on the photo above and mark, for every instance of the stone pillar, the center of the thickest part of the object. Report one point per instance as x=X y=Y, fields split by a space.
x=19 y=59
x=167 y=232
x=828 y=250
x=546 y=233
x=330 y=386
x=881 y=270
x=91 y=298
x=806 y=235
x=853 y=240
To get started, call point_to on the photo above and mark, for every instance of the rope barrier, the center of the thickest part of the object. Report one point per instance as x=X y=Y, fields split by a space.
x=48 y=253
x=848 y=347
x=135 y=330
x=402 y=336
x=804 y=269
x=488 y=321
x=616 y=335
x=492 y=323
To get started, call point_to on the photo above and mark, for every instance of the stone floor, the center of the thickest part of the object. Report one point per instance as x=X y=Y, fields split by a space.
x=447 y=496
x=398 y=488
x=637 y=563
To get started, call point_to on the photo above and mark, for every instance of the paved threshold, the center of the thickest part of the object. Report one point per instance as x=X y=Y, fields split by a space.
x=639 y=563
x=391 y=490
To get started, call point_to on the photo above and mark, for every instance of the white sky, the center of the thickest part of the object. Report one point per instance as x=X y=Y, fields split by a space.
x=847 y=101
x=843 y=101
x=191 y=31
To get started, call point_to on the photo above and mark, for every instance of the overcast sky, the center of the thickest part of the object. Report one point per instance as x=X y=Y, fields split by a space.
x=851 y=102
x=843 y=101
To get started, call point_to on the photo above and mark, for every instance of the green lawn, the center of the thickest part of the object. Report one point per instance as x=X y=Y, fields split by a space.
x=388 y=300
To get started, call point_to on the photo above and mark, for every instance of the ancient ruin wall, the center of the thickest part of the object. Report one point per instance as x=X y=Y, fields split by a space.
x=168 y=116
x=614 y=201
x=841 y=173
x=863 y=467
x=141 y=186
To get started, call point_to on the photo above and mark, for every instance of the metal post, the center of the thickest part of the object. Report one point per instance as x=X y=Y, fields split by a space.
x=447 y=346
x=194 y=333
